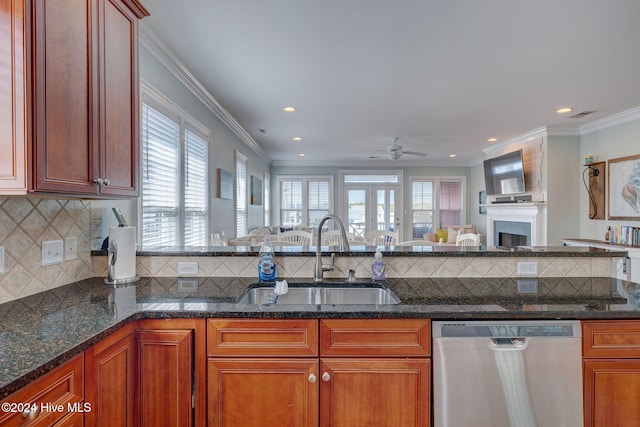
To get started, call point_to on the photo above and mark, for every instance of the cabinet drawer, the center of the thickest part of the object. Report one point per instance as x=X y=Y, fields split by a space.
x=375 y=337
x=253 y=337
x=62 y=386
x=611 y=338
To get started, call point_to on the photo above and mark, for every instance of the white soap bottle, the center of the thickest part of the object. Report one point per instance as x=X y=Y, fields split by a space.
x=267 y=264
x=378 y=267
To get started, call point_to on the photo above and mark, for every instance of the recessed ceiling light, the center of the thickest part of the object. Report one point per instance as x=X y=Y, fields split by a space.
x=289 y=109
x=492 y=139
x=297 y=138
x=564 y=110
x=452 y=155
x=301 y=155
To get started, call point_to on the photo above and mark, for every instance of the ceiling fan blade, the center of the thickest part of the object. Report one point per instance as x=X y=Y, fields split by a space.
x=415 y=153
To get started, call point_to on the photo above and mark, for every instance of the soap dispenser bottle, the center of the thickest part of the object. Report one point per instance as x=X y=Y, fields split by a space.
x=266 y=264
x=377 y=268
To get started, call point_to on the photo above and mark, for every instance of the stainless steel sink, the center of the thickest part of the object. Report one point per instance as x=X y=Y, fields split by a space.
x=322 y=294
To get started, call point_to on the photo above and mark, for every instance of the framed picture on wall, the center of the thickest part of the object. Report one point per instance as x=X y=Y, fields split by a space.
x=624 y=188
x=482 y=200
x=225 y=184
x=256 y=190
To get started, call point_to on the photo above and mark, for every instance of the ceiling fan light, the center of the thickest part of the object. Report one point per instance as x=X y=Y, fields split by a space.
x=394 y=155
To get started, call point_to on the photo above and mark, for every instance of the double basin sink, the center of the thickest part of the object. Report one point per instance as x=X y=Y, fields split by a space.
x=321 y=293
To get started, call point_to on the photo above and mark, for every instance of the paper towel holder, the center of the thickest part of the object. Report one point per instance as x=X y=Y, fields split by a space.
x=112 y=257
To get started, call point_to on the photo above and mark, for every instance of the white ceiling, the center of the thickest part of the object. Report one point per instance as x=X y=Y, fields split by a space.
x=442 y=75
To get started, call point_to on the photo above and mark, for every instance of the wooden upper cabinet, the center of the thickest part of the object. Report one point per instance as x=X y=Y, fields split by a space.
x=13 y=170
x=81 y=125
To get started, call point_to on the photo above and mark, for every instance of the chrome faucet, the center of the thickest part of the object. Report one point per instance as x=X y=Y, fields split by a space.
x=343 y=246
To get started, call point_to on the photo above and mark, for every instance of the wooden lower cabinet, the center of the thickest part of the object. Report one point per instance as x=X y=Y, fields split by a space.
x=611 y=369
x=376 y=373
x=364 y=392
x=612 y=392
x=263 y=392
x=171 y=372
x=62 y=389
x=110 y=380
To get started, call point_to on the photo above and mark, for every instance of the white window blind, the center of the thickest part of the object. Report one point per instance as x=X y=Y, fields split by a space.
x=195 y=189
x=241 y=195
x=267 y=199
x=160 y=178
x=174 y=199
x=304 y=200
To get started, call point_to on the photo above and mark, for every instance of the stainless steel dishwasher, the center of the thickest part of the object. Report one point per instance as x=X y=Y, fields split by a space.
x=507 y=374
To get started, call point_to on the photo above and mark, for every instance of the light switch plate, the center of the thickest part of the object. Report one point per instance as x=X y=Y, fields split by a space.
x=527 y=269
x=1 y=259
x=70 y=248
x=187 y=269
x=52 y=252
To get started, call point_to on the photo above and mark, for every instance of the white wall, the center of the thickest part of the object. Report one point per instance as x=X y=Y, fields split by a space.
x=610 y=143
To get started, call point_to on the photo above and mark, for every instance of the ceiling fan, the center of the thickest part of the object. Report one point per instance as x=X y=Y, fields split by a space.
x=395 y=151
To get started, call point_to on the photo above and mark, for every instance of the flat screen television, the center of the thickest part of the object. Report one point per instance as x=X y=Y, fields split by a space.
x=505 y=174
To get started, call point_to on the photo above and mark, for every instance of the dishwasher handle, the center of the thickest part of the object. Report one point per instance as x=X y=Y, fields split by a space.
x=507 y=344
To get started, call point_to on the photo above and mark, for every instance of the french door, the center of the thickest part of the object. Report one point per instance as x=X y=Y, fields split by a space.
x=369 y=207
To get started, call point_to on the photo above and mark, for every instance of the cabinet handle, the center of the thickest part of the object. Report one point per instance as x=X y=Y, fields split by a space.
x=99 y=181
x=326 y=376
x=312 y=378
x=106 y=181
x=31 y=412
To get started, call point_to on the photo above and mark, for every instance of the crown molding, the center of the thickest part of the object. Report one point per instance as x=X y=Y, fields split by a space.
x=369 y=163
x=151 y=39
x=610 y=121
x=528 y=136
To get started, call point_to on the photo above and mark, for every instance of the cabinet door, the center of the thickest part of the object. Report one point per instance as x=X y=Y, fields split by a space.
x=165 y=377
x=13 y=178
x=61 y=389
x=110 y=381
x=119 y=111
x=64 y=96
x=612 y=392
x=263 y=392
x=363 y=392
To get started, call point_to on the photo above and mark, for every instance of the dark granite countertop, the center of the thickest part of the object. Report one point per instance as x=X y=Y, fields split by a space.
x=363 y=250
x=41 y=331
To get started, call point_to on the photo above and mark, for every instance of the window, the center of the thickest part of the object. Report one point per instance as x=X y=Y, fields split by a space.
x=303 y=201
x=267 y=199
x=241 y=195
x=435 y=201
x=174 y=179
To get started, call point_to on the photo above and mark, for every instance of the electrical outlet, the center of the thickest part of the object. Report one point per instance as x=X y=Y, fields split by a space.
x=52 y=252
x=527 y=269
x=70 y=248
x=1 y=259
x=187 y=269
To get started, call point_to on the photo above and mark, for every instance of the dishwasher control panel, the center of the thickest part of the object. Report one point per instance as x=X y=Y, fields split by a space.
x=508 y=329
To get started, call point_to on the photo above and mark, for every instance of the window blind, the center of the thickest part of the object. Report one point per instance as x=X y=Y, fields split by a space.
x=195 y=189
x=241 y=195
x=160 y=175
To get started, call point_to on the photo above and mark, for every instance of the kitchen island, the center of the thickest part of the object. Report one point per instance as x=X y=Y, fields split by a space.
x=39 y=332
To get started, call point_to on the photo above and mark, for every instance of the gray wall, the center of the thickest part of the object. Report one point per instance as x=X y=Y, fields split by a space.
x=617 y=141
x=224 y=144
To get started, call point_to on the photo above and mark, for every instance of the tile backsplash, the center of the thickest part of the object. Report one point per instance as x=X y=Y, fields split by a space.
x=27 y=221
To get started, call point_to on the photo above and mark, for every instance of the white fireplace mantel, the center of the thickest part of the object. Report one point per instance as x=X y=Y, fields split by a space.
x=529 y=212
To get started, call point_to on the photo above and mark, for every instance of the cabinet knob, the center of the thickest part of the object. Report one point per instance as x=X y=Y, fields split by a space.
x=312 y=378
x=106 y=181
x=326 y=376
x=31 y=412
x=99 y=181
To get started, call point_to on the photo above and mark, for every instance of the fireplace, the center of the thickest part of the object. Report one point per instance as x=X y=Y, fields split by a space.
x=511 y=233
x=517 y=224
